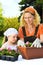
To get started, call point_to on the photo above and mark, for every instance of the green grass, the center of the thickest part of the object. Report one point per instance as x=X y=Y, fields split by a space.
x=1 y=38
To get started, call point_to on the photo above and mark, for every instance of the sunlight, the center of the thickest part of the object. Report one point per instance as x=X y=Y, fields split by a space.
x=10 y=8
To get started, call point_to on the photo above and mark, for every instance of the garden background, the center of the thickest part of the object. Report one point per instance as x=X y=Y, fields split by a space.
x=7 y=22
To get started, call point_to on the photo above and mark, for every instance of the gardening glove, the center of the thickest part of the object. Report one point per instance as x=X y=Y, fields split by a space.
x=36 y=43
x=20 y=43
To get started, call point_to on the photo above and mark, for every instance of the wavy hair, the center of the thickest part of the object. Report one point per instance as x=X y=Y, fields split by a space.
x=36 y=20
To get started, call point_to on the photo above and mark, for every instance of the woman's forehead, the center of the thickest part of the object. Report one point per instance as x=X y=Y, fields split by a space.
x=28 y=14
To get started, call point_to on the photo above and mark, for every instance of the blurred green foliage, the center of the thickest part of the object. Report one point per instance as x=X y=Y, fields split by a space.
x=1 y=38
x=6 y=23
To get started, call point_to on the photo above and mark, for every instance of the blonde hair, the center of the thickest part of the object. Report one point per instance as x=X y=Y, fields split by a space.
x=36 y=20
x=5 y=39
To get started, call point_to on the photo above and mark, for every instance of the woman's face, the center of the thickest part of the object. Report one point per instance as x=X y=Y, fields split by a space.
x=12 y=38
x=29 y=18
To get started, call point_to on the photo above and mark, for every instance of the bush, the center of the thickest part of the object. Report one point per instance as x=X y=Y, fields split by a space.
x=1 y=38
x=8 y=23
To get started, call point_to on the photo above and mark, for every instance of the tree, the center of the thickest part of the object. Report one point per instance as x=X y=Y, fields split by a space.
x=38 y=5
x=1 y=19
x=25 y=3
x=1 y=10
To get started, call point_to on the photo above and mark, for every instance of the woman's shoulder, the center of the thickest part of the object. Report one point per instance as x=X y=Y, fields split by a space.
x=20 y=28
x=41 y=26
x=40 y=29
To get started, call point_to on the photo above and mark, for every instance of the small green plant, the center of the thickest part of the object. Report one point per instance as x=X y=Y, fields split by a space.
x=9 y=52
x=28 y=45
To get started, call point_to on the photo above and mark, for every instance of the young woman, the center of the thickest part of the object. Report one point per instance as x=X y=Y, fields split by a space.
x=30 y=19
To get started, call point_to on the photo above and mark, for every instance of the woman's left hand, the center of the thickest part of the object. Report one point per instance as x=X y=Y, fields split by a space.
x=36 y=43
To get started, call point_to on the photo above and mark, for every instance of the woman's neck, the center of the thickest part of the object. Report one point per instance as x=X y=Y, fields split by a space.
x=30 y=28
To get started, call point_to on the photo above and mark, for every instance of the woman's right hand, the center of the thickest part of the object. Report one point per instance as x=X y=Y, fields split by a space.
x=21 y=43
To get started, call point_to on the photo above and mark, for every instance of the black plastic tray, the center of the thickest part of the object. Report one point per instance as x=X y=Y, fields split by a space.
x=8 y=58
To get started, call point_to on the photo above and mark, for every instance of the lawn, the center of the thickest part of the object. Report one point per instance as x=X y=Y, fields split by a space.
x=1 y=38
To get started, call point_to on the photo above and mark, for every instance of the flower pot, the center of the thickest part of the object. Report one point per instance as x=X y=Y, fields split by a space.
x=31 y=52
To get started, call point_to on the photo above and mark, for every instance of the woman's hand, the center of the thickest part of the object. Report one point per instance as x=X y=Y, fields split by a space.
x=21 y=43
x=36 y=43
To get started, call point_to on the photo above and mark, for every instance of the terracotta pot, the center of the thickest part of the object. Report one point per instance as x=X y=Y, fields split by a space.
x=31 y=52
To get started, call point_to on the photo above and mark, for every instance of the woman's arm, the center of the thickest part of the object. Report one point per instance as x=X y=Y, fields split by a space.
x=20 y=33
x=40 y=32
x=41 y=38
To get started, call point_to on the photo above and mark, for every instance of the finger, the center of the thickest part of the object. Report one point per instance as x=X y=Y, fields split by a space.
x=32 y=45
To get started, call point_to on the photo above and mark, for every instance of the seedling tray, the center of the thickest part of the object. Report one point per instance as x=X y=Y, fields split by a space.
x=8 y=58
x=9 y=55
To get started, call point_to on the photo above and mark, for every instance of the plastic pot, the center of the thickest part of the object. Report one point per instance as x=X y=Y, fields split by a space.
x=31 y=52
